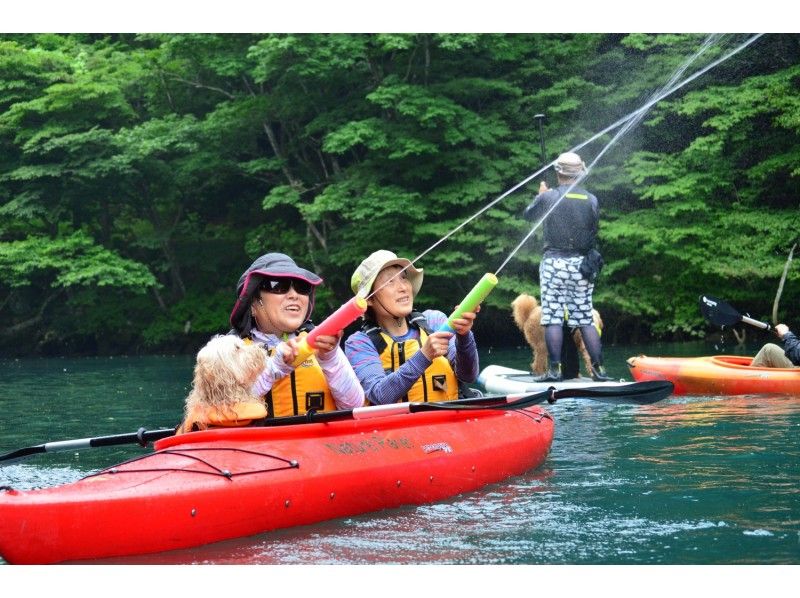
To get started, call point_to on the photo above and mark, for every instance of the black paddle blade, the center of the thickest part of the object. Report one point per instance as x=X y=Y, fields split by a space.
x=18 y=454
x=640 y=393
x=718 y=312
x=140 y=437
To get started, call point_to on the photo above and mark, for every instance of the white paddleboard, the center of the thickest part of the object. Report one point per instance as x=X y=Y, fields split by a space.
x=497 y=379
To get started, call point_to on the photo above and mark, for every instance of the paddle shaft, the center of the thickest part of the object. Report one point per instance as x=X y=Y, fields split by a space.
x=540 y=119
x=140 y=437
x=756 y=323
x=641 y=393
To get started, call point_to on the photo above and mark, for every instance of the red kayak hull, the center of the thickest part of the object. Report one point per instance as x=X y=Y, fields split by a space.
x=716 y=375
x=219 y=484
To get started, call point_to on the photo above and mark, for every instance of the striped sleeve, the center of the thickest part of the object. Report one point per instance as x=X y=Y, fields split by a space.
x=345 y=387
x=462 y=353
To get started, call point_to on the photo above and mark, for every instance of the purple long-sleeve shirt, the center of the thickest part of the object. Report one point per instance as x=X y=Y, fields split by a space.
x=382 y=387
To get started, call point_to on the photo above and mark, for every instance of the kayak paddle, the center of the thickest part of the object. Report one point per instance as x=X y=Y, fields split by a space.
x=140 y=437
x=641 y=393
x=720 y=313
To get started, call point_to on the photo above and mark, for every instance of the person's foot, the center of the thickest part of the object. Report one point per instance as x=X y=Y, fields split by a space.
x=553 y=374
x=599 y=374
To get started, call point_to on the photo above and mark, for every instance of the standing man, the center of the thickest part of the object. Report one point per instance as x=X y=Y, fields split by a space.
x=570 y=225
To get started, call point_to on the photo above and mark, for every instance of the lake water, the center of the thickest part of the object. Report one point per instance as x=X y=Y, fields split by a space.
x=690 y=480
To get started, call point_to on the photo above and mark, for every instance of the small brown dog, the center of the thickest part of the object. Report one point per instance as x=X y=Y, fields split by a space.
x=528 y=315
x=226 y=369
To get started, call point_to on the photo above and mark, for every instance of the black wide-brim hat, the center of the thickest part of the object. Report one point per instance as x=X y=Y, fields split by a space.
x=273 y=265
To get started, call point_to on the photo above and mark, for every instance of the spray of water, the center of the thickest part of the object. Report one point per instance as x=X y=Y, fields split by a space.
x=673 y=85
x=631 y=121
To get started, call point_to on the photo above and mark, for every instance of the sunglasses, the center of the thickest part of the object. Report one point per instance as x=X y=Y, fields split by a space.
x=280 y=286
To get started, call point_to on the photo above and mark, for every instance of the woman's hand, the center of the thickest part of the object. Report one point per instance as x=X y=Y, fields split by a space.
x=781 y=329
x=324 y=344
x=436 y=345
x=288 y=351
x=464 y=324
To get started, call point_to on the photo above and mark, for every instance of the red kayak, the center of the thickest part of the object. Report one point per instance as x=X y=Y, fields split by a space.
x=219 y=484
x=716 y=375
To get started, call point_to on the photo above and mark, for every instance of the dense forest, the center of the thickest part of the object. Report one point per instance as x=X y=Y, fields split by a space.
x=141 y=174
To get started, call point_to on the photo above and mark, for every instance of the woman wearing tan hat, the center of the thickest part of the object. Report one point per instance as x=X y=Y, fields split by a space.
x=398 y=355
x=275 y=299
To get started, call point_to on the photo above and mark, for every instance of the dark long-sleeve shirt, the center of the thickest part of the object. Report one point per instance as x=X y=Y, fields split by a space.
x=791 y=347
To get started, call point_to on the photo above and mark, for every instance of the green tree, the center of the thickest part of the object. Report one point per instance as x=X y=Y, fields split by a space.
x=177 y=159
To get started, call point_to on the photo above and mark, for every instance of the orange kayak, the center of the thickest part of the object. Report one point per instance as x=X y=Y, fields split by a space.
x=716 y=375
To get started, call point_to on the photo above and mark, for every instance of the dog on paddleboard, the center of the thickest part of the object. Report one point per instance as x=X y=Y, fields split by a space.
x=528 y=316
x=227 y=367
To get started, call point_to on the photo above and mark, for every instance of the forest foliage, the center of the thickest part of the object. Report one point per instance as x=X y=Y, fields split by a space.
x=141 y=174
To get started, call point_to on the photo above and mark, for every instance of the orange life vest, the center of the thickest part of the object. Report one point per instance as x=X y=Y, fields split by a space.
x=239 y=414
x=301 y=391
x=437 y=383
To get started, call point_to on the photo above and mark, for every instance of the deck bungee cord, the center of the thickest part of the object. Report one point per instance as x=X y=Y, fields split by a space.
x=121 y=468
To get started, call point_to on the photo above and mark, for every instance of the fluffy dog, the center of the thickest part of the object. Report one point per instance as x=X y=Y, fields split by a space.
x=528 y=315
x=226 y=369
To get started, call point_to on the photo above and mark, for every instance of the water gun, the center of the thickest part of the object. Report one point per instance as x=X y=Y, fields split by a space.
x=331 y=326
x=472 y=300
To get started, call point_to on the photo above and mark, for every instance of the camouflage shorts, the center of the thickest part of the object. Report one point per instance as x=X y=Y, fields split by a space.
x=565 y=292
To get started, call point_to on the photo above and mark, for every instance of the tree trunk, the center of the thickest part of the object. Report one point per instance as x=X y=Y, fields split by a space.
x=273 y=141
x=780 y=286
x=31 y=322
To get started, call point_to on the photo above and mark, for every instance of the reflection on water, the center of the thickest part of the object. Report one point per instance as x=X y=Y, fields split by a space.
x=689 y=480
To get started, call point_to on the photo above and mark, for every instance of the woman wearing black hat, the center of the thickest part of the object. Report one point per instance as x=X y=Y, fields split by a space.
x=275 y=299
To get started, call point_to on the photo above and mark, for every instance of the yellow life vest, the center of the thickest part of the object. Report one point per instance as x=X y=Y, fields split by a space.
x=237 y=415
x=437 y=383
x=301 y=391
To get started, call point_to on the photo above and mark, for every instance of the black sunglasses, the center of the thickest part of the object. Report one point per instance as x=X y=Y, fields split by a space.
x=280 y=286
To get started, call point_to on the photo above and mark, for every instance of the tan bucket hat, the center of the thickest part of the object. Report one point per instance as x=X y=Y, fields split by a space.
x=366 y=273
x=570 y=164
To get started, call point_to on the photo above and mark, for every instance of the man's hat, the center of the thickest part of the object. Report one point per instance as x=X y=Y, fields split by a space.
x=569 y=164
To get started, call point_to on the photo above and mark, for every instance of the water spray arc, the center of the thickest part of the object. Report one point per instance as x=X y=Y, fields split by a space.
x=643 y=109
x=351 y=310
x=630 y=121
